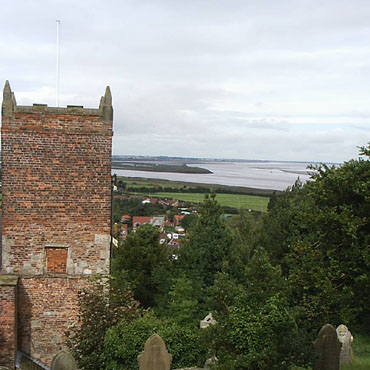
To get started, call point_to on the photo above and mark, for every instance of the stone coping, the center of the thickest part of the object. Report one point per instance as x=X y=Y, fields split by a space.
x=43 y=108
x=8 y=280
x=9 y=106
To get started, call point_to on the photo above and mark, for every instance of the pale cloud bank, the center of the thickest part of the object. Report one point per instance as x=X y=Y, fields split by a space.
x=281 y=80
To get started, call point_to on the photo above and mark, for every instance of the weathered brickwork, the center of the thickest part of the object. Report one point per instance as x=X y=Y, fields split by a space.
x=56 y=211
x=8 y=319
x=56 y=260
x=47 y=308
x=56 y=189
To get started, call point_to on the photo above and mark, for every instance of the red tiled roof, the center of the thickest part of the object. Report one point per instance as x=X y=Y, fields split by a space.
x=140 y=220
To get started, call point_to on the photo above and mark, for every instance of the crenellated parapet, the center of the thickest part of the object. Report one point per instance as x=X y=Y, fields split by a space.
x=73 y=119
x=9 y=107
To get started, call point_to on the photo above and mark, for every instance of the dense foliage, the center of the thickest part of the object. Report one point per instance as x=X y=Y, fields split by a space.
x=100 y=307
x=256 y=326
x=320 y=234
x=271 y=282
x=138 y=260
x=208 y=244
x=126 y=341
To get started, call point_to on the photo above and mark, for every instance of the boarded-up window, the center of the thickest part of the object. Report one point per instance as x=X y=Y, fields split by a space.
x=56 y=260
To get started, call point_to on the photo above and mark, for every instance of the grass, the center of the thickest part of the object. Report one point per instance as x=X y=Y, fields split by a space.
x=247 y=198
x=361 y=353
x=255 y=203
x=152 y=183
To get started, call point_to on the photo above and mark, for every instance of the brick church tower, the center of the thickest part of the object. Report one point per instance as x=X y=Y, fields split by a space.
x=56 y=219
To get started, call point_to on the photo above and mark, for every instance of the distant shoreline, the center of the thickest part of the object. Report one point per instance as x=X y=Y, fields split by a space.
x=155 y=167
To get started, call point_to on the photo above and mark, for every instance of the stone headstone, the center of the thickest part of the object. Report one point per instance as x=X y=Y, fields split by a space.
x=208 y=320
x=155 y=355
x=210 y=363
x=345 y=338
x=328 y=347
x=63 y=360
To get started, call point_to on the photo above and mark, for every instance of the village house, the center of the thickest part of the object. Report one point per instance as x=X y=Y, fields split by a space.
x=156 y=221
x=177 y=220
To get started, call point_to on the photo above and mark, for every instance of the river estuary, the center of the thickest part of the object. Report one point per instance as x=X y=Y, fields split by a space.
x=253 y=174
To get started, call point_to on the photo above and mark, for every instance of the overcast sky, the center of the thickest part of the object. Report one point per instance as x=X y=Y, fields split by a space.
x=267 y=79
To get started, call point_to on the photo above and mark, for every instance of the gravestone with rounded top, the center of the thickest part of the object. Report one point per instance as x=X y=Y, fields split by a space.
x=63 y=360
x=345 y=338
x=155 y=355
x=328 y=347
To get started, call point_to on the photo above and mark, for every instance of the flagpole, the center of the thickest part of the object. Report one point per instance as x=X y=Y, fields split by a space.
x=57 y=71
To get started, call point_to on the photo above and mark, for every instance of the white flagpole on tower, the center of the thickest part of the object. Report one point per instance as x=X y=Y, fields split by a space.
x=57 y=71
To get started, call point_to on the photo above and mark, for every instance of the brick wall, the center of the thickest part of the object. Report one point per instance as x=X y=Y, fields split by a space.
x=47 y=307
x=56 y=211
x=8 y=320
x=56 y=191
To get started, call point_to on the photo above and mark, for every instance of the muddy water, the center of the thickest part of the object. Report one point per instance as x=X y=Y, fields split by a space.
x=259 y=174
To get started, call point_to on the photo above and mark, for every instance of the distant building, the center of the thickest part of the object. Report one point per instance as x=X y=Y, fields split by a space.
x=177 y=219
x=137 y=221
x=156 y=221
x=125 y=218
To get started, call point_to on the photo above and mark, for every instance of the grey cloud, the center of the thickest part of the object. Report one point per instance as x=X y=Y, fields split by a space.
x=202 y=77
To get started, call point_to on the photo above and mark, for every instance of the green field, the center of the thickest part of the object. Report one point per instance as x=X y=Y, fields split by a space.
x=255 y=203
x=140 y=182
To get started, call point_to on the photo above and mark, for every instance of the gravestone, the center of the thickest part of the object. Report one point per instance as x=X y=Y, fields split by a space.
x=208 y=320
x=210 y=363
x=63 y=360
x=345 y=338
x=155 y=355
x=328 y=347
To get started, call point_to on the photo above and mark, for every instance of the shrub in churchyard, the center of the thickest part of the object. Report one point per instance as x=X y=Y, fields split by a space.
x=101 y=306
x=125 y=341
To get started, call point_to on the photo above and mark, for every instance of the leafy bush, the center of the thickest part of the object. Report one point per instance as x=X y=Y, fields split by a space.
x=256 y=327
x=100 y=307
x=125 y=342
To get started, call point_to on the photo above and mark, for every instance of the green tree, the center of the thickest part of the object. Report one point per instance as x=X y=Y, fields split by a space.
x=336 y=259
x=101 y=306
x=320 y=233
x=208 y=244
x=121 y=186
x=188 y=220
x=182 y=306
x=255 y=326
x=137 y=260
x=244 y=228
